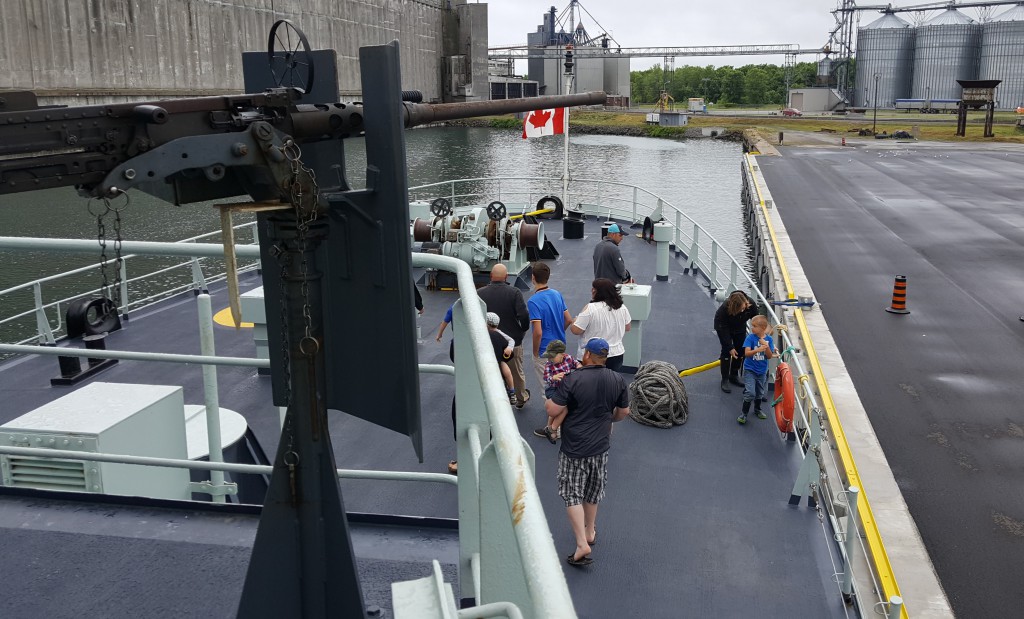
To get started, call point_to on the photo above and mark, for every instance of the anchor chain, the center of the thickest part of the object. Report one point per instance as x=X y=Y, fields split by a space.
x=304 y=195
x=100 y=208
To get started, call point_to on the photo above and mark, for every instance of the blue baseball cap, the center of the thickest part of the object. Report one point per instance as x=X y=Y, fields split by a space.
x=614 y=229
x=597 y=346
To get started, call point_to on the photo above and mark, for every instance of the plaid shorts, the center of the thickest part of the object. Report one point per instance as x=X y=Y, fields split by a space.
x=582 y=480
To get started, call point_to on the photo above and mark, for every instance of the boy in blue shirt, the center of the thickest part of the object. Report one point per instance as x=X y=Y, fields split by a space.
x=758 y=348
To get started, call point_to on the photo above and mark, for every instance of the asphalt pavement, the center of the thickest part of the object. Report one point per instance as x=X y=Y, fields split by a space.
x=942 y=385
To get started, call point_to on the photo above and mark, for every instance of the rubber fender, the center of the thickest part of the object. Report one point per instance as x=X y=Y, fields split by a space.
x=785 y=406
x=551 y=202
x=92 y=317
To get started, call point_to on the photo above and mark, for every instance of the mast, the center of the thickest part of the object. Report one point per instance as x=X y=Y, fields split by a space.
x=565 y=127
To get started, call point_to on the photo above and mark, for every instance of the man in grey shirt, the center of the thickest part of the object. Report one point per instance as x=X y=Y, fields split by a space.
x=608 y=260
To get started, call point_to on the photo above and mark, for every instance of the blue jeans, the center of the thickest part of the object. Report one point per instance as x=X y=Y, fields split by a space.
x=754 y=387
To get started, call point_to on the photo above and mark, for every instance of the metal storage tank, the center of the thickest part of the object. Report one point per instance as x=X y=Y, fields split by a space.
x=1002 y=56
x=885 y=46
x=948 y=47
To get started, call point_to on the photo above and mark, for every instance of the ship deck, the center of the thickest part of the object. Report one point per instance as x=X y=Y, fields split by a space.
x=941 y=385
x=696 y=521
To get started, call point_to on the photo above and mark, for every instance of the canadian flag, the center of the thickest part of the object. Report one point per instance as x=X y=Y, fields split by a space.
x=544 y=122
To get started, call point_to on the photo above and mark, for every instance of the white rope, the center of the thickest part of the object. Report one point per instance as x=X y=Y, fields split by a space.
x=658 y=397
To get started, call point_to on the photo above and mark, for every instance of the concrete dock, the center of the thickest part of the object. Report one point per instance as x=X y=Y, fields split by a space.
x=942 y=385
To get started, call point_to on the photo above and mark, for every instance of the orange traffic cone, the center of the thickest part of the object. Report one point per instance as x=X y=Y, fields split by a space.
x=899 y=296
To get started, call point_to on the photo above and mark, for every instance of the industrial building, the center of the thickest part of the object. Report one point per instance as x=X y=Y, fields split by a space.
x=111 y=51
x=598 y=66
x=898 y=61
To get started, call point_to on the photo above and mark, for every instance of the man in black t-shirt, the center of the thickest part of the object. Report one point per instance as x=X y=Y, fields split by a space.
x=591 y=398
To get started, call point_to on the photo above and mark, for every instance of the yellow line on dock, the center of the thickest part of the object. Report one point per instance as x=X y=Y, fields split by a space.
x=886 y=577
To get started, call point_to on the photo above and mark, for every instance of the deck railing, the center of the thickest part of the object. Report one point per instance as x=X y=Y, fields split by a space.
x=499 y=506
x=40 y=319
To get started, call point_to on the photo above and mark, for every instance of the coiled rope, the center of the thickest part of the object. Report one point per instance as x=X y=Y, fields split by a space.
x=658 y=396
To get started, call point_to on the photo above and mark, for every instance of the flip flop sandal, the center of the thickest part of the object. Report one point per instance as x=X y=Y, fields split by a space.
x=578 y=562
x=593 y=541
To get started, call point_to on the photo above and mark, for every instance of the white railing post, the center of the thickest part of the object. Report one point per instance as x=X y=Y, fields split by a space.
x=42 y=323
x=678 y=235
x=210 y=395
x=635 y=198
x=198 y=279
x=453 y=194
x=733 y=274
x=694 y=247
x=850 y=536
x=714 y=264
x=123 y=272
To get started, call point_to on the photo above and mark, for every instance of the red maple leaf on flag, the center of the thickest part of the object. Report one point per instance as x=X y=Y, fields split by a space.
x=540 y=118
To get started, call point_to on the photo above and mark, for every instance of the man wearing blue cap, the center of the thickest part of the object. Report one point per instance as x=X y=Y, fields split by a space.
x=586 y=403
x=608 y=260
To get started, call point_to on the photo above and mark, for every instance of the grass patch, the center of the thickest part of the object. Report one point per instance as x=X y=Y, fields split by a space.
x=506 y=122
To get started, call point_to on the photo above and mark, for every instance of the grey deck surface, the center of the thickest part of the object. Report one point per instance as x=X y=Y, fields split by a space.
x=941 y=385
x=696 y=521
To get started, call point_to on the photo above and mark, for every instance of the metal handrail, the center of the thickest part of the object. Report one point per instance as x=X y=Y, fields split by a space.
x=41 y=309
x=884 y=585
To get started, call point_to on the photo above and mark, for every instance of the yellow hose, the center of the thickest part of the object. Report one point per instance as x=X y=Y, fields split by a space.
x=700 y=368
x=540 y=212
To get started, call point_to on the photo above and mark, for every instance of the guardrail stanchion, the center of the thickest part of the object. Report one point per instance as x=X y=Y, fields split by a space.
x=42 y=324
x=714 y=266
x=635 y=191
x=849 y=537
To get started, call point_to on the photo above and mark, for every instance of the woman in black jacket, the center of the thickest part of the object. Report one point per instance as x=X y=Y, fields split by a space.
x=731 y=327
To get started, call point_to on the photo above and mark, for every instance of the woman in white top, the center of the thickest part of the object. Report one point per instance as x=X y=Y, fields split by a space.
x=606 y=317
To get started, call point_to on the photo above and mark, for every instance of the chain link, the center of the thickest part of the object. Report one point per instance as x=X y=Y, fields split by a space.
x=100 y=208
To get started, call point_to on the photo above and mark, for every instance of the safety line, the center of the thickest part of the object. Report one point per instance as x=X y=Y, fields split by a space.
x=883 y=567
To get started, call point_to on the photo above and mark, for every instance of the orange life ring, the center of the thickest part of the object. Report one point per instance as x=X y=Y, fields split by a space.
x=785 y=405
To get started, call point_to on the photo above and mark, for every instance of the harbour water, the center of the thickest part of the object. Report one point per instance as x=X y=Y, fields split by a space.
x=701 y=176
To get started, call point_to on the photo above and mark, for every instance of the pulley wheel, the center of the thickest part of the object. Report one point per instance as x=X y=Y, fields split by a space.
x=496 y=211
x=441 y=207
x=291 y=60
x=531 y=235
x=421 y=231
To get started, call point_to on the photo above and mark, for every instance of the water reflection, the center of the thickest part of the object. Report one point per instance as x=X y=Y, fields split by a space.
x=700 y=176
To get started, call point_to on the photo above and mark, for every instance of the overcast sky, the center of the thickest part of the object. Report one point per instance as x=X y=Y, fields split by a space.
x=678 y=23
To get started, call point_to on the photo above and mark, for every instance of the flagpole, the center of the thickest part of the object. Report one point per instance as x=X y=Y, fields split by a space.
x=565 y=127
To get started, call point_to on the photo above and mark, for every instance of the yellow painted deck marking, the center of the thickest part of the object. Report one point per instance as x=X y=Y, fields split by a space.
x=225 y=319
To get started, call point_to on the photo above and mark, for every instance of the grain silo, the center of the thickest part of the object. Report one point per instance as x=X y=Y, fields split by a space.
x=947 y=50
x=886 y=47
x=1002 y=56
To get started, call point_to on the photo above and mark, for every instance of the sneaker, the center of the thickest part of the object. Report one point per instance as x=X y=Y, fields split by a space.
x=511 y=396
x=547 y=433
x=741 y=419
x=760 y=415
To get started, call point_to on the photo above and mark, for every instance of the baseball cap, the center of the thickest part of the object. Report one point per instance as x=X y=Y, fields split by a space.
x=555 y=348
x=597 y=346
x=614 y=229
x=493 y=319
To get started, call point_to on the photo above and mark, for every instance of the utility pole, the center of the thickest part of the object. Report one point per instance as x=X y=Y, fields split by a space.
x=874 y=123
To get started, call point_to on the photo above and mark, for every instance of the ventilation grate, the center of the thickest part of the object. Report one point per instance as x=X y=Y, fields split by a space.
x=45 y=473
